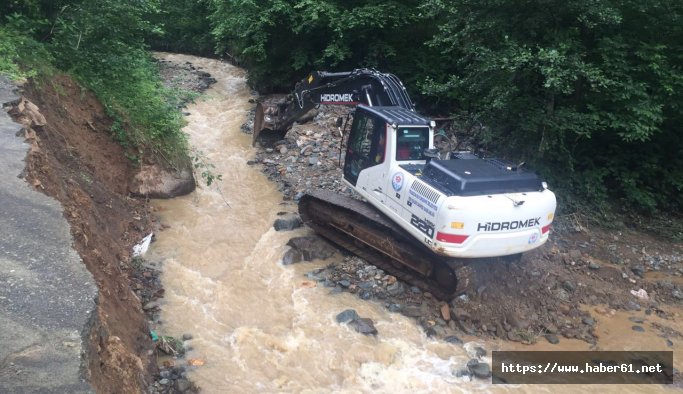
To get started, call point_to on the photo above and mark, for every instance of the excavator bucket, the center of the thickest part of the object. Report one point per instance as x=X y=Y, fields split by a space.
x=267 y=122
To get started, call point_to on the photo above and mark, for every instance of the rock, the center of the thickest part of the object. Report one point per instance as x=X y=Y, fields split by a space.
x=347 y=316
x=550 y=328
x=313 y=160
x=638 y=270
x=187 y=336
x=669 y=343
x=411 y=311
x=395 y=289
x=182 y=385
x=569 y=286
x=575 y=255
x=479 y=351
x=344 y=283
x=453 y=339
x=632 y=306
x=364 y=326
x=415 y=290
x=637 y=320
x=552 y=338
x=638 y=329
x=461 y=373
x=445 y=312
x=292 y=256
x=479 y=369
x=677 y=294
x=312 y=247
x=588 y=321
x=594 y=266
x=154 y=181
x=288 y=222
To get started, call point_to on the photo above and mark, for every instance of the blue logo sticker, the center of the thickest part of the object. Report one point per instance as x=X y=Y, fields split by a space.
x=397 y=181
x=533 y=238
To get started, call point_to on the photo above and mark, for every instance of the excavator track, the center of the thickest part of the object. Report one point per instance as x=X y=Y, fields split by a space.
x=367 y=233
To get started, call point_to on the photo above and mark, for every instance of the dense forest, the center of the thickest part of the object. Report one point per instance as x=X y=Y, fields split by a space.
x=590 y=93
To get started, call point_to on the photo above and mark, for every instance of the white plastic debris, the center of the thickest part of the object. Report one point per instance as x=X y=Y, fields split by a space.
x=141 y=247
x=642 y=294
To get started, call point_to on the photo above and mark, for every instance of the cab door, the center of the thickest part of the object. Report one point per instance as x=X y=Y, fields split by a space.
x=366 y=145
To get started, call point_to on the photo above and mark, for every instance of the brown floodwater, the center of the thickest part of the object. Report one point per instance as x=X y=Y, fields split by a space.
x=261 y=326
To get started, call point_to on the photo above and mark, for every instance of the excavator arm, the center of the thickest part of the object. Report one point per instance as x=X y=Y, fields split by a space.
x=276 y=114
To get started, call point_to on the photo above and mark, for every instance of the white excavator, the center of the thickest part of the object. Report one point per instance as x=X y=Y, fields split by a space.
x=423 y=219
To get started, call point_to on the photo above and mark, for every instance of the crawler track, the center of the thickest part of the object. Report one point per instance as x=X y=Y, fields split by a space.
x=367 y=233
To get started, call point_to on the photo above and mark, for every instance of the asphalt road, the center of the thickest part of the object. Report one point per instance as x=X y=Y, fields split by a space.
x=47 y=296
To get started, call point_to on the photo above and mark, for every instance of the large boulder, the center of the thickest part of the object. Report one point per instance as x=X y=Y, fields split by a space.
x=312 y=247
x=154 y=181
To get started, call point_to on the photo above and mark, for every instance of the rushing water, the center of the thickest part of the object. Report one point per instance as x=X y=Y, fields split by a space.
x=261 y=326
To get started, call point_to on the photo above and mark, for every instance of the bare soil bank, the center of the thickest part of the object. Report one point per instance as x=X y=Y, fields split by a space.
x=74 y=159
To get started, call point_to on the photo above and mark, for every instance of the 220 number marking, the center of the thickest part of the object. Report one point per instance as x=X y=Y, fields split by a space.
x=422 y=225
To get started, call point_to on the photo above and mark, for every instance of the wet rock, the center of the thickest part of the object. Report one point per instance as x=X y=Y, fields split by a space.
x=154 y=181
x=632 y=306
x=312 y=247
x=287 y=222
x=479 y=369
x=364 y=326
x=462 y=372
x=479 y=351
x=594 y=266
x=292 y=256
x=187 y=336
x=344 y=283
x=588 y=321
x=638 y=270
x=552 y=338
x=347 y=316
x=182 y=385
x=396 y=289
x=637 y=320
x=164 y=382
x=453 y=339
x=669 y=343
x=638 y=329
x=677 y=294
x=411 y=311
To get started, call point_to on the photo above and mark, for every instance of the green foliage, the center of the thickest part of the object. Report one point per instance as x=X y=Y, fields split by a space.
x=101 y=43
x=201 y=163
x=182 y=26
x=281 y=40
x=589 y=92
x=21 y=56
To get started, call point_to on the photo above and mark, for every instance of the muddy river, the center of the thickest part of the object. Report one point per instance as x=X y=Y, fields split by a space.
x=259 y=325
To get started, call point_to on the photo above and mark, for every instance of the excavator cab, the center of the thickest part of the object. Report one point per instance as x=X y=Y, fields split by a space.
x=381 y=136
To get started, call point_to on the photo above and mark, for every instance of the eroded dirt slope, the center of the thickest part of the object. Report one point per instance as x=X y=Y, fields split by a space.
x=75 y=160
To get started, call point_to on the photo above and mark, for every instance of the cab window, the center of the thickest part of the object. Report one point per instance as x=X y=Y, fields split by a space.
x=411 y=143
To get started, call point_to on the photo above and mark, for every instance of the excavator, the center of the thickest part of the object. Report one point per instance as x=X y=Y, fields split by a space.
x=420 y=218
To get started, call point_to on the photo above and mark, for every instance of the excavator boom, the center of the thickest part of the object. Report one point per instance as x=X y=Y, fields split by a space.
x=276 y=114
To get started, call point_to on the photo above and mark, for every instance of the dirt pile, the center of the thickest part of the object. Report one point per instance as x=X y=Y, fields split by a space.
x=74 y=159
x=552 y=292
